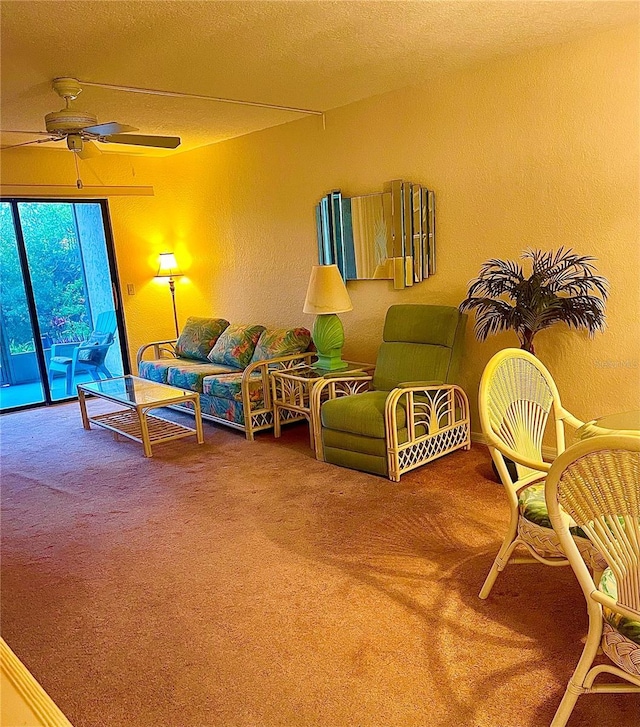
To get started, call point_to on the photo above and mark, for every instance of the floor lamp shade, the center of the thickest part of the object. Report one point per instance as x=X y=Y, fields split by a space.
x=168 y=268
x=326 y=296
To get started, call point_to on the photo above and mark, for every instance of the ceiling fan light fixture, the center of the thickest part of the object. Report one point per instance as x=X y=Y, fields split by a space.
x=74 y=142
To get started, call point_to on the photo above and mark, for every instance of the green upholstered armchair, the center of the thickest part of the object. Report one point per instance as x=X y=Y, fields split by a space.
x=412 y=412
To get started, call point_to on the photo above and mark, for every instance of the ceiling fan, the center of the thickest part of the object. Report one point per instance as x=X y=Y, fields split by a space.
x=81 y=129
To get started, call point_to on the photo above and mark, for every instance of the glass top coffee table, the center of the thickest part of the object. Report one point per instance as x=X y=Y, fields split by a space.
x=139 y=397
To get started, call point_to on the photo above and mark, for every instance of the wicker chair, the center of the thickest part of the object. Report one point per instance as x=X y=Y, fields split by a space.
x=517 y=395
x=597 y=483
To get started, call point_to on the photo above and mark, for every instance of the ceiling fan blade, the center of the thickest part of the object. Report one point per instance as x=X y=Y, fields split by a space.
x=163 y=142
x=16 y=131
x=89 y=150
x=27 y=143
x=111 y=127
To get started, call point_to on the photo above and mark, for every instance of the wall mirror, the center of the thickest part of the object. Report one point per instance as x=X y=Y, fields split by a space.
x=388 y=236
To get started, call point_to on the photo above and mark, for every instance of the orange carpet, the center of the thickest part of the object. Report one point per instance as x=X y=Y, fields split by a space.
x=244 y=584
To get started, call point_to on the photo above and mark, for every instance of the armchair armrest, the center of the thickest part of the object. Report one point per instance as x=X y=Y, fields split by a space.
x=441 y=407
x=333 y=386
x=342 y=376
x=436 y=421
x=569 y=419
x=161 y=349
x=421 y=384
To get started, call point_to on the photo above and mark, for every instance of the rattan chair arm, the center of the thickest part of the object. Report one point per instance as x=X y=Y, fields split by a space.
x=340 y=376
x=614 y=605
x=157 y=345
x=516 y=456
x=568 y=418
x=417 y=385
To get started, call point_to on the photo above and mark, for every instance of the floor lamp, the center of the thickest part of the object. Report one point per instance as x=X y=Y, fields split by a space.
x=169 y=269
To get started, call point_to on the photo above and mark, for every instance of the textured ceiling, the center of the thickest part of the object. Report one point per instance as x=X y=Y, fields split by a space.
x=310 y=54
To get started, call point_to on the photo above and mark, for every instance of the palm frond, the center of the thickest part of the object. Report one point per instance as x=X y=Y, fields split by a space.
x=497 y=277
x=563 y=287
x=492 y=316
x=581 y=311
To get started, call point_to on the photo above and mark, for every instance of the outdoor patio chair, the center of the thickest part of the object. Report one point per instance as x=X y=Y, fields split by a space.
x=517 y=394
x=597 y=483
x=88 y=356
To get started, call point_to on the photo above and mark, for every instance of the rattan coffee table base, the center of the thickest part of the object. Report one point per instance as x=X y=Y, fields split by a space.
x=136 y=422
x=127 y=424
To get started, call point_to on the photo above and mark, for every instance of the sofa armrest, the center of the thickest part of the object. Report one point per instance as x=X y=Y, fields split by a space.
x=264 y=367
x=161 y=349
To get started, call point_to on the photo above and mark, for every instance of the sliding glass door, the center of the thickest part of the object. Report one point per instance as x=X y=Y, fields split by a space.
x=59 y=306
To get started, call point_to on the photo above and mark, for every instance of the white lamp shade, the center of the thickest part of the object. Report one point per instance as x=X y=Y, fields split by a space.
x=168 y=266
x=327 y=292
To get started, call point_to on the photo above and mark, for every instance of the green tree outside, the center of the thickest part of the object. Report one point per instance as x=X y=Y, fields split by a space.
x=55 y=265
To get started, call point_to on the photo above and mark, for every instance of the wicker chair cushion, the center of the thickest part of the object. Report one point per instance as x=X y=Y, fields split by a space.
x=629 y=628
x=199 y=336
x=533 y=508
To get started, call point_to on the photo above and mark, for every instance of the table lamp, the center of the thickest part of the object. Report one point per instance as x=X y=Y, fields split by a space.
x=169 y=269
x=326 y=296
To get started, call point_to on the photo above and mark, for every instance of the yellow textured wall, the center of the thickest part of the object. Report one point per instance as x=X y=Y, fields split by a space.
x=142 y=228
x=536 y=150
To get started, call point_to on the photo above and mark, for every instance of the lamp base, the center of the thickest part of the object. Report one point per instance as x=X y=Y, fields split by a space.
x=328 y=336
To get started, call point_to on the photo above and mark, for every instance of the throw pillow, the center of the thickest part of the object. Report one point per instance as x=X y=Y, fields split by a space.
x=275 y=342
x=199 y=336
x=236 y=345
x=95 y=356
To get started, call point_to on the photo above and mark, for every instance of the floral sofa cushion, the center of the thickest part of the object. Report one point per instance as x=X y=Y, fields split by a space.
x=275 y=342
x=199 y=336
x=158 y=370
x=229 y=387
x=235 y=346
x=629 y=628
x=191 y=376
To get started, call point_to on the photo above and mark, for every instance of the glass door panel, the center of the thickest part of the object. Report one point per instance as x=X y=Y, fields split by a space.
x=20 y=380
x=68 y=263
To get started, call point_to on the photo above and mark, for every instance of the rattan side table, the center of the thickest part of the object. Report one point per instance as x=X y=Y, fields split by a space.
x=291 y=391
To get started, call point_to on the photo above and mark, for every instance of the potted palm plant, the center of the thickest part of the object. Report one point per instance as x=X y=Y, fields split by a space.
x=562 y=288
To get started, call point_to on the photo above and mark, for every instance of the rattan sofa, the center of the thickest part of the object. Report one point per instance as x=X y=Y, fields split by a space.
x=228 y=366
